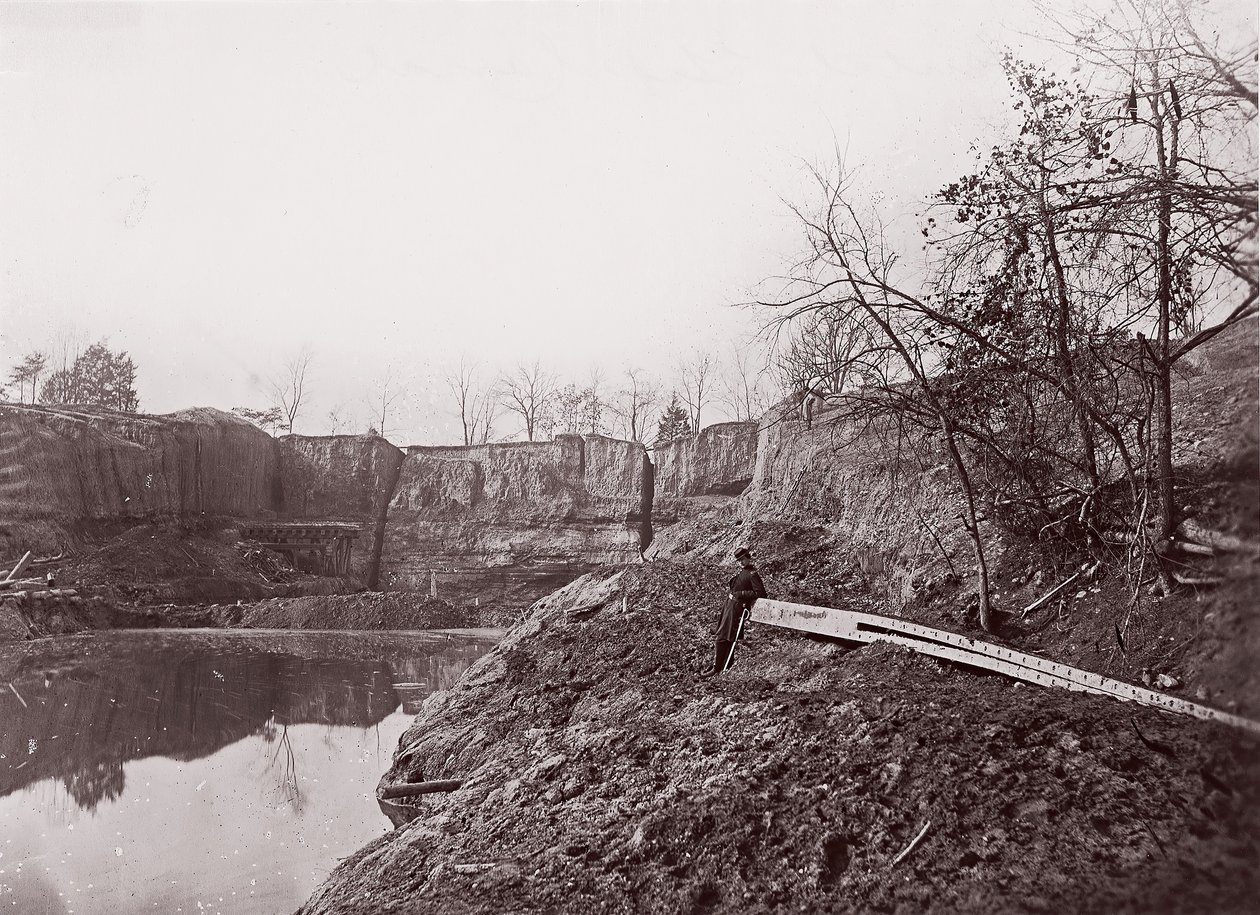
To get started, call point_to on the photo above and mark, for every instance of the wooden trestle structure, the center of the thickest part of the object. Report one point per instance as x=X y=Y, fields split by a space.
x=327 y=543
x=940 y=643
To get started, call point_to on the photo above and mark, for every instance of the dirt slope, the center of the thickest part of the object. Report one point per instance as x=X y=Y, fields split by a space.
x=601 y=775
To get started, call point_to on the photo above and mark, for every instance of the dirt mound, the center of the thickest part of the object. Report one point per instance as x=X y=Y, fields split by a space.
x=359 y=612
x=600 y=774
x=365 y=610
x=180 y=562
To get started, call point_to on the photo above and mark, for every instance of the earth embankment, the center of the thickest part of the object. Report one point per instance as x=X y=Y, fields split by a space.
x=600 y=773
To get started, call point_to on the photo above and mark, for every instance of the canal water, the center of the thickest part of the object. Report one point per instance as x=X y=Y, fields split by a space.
x=198 y=770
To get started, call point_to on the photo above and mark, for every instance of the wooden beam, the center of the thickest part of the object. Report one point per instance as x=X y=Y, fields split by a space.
x=414 y=789
x=20 y=567
x=867 y=627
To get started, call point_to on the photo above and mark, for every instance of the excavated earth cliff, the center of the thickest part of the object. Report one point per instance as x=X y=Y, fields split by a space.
x=135 y=509
x=64 y=468
x=506 y=523
x=341 y=478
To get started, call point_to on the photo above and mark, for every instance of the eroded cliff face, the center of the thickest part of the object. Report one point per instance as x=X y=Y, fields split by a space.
x=62 y=466
x=510 y=522
x=777 y=486
x=844 y=486
x=505 y=521
x=341 y=478
x=698 y=482
x=718 y=462
x=336 y=477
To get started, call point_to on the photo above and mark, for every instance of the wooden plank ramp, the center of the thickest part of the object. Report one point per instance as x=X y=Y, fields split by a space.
x=867 y=627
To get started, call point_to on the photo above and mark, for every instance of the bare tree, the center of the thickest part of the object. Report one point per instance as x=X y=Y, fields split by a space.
x=743 y=385
x=852 y=273
x=833 y=349
x=66 y=350
x=1180 y=117
x=696 y=376
x=289 y=391
x=634 y=404
x=385 y=394
x=475 y=402
x=340 y=417
x=528 y=391
x=595 y=405
x=483 y=418
x=269 y=420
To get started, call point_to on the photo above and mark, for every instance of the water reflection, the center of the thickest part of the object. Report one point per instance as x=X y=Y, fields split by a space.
x=148 y=766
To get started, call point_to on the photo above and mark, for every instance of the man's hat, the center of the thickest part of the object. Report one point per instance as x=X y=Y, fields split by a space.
x=742 y=553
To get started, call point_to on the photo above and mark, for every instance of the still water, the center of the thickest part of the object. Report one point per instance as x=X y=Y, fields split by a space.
x=201 y=771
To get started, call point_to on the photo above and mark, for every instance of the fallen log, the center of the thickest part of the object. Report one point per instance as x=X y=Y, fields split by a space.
x=37 y=561
x=1195 y=549
x=1205 y=581
x=22 y=583
x=1226 y=543
x=413 y=789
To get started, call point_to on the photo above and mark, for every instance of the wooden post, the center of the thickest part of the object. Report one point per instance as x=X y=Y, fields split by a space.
x=20 y=567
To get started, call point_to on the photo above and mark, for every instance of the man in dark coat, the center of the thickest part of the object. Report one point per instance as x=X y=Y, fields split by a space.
x=743 y=590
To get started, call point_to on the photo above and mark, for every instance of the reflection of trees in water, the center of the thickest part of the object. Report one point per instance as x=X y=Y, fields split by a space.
x=288 y=786
x=187 y=697
x=102 y=781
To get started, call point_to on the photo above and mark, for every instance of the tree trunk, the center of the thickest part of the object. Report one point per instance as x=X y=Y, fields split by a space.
x=1063 y=348
x=1161 y=441
x=972 y=523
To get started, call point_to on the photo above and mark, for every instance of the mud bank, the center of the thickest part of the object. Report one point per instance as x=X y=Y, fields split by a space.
x=362 y=611
x=600 y=774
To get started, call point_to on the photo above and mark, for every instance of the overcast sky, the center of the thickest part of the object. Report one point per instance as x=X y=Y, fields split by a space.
x=214 y=186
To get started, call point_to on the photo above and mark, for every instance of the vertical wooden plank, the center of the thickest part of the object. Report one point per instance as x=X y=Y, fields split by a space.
x=20 y=567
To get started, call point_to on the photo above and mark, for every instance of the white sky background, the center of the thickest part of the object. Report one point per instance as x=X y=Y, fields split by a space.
x=214 y=186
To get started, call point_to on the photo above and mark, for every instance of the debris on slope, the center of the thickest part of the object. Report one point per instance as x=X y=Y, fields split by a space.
x=600 y=774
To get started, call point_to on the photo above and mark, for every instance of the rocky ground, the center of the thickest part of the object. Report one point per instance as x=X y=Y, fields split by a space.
x=601 y=774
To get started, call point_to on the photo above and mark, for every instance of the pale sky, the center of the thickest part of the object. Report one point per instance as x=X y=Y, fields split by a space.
x=214 y=186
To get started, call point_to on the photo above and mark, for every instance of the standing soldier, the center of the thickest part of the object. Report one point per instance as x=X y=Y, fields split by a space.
x=812 y=397
x=743 y=590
